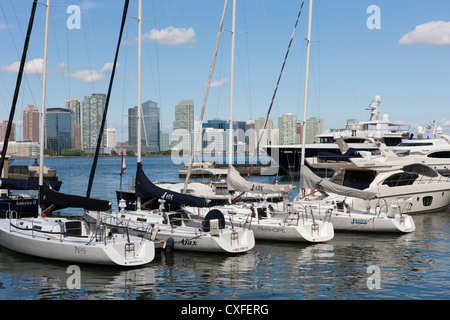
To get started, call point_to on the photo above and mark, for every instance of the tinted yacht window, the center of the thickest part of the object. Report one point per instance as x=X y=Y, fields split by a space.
x=400 y=179
x=440 y=154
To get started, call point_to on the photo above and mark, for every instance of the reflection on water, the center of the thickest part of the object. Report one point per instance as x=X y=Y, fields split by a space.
x=411 y=266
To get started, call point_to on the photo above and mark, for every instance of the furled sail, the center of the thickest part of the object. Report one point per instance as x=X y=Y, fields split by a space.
x=146 y=189
x=24 y=184
x=236 y=182
x=59 y=200
x=309 y=180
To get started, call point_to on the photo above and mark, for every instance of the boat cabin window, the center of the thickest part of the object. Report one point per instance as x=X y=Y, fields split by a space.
x=391 y=142
x=415 y=144
x=355 y=140
x=440 y=154
x=326 y=140
x=358 y=179
x=73 y=228
x=401 y=179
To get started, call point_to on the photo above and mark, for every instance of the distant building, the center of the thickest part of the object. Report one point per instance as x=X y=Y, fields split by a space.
x=287 y=129
x=60 y=130
x=164 y=141
x=92 y=114
x=3 y=127
x=313 y=127
x=150 y=127
x=74 y=105
x=111 y=138
x=183 y=126
x=31 y=124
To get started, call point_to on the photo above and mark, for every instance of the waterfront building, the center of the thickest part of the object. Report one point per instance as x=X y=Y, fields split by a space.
x=164 y=141
x=313 y=127
x=150 y=127
x=287 y=129
x=92 y=114
x=75 y=106
x=111 y=138
x=3 y=127
x=60 y=130
x=31 y=124
x=183 y=125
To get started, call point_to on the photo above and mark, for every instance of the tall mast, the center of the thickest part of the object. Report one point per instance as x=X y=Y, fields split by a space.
x=139 y=105
x=305 y=106
x=230 y=133
x=44 y=88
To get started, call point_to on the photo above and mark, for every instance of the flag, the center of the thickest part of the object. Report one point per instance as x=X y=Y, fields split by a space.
x=124 y=166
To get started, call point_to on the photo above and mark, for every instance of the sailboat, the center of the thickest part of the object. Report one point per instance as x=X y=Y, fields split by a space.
x=178 y=230
x=66 y=239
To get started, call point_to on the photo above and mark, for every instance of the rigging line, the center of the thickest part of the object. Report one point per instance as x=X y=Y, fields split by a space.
x=89 y=59
x=59 y=56
x=68 y=57
x=279 y=76
x=15 y=47
x=205 y=98
x=18 y=82
x=157 y=66
x=94 y=165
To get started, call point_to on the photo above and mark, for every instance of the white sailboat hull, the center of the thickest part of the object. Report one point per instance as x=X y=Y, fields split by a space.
x=303 y=230
x=188 y=238
x=75 y=249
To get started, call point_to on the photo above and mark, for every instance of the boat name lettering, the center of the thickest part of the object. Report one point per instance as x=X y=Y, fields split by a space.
x=271 y=229
x=167 y=196
x=80 y=250
x=256 y=188
x=359 y=221
x=25 y=203
x=240 y=249
x=188 y=242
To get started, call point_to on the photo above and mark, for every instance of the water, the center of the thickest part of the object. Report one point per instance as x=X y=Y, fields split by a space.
x=410 y=266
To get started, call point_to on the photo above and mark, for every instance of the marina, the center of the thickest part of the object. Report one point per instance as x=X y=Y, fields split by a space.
x=412 y=266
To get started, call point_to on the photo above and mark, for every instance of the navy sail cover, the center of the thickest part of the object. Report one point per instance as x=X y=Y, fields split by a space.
x=49 y=197
x=146 y=189
x=24 y=184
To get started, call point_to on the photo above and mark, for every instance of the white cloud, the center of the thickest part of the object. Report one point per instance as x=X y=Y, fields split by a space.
x=171 y=36
x=219 y=83
x=32 y=66
x=87 y=76
x=434 y=33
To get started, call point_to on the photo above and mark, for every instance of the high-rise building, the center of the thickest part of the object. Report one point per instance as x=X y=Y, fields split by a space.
x=74 y=105
x=183 y=126
x=164 y=141
x=287 y=128
x=92 y=114
x=313 y=127
x=60 y=130
x=31 y=124
x=111 y=138
x=150 y=127
x=3 y=127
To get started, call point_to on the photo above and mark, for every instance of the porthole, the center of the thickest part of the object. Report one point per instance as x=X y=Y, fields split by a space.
x=427 y=201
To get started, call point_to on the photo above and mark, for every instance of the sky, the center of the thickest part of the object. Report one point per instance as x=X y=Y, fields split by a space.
x=399 y=50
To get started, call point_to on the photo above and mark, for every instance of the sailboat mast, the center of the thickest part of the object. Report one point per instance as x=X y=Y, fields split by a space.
x=230 y=133
x=305 y=106
x=44 y=90
x=139 y=105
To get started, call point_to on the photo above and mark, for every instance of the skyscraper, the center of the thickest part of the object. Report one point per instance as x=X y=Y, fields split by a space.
x=92 y=114
x=3 y=126
x=31 y=124
x=60 y=130
x=183 y=126
x=74 y=105
x=150 y=128
x=313 y=127
x=287 y=128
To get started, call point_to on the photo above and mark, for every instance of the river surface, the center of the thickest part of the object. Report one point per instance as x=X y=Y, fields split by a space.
x=351 y=266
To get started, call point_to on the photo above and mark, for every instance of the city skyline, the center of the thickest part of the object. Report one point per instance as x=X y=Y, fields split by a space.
x=402 y=58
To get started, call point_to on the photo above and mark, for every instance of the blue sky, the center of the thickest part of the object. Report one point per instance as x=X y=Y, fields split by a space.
x=406 y=61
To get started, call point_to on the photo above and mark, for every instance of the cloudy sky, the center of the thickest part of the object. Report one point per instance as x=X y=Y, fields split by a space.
x=398 y=49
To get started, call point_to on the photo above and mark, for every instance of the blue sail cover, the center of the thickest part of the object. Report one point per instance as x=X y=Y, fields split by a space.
x=146 y=189
x=24 y=184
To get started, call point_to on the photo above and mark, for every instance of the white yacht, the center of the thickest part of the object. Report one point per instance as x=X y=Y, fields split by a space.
x=355 y=135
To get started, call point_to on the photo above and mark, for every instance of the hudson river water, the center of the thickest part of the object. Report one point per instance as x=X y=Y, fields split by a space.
x=412 y=266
